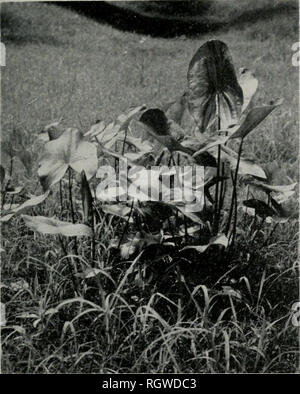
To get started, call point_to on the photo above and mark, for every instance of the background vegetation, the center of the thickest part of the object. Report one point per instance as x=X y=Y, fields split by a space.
x=60 y=64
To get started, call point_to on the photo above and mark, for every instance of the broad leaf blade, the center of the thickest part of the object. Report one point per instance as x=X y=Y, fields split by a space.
x=69 y=150
x=246 y=166
x=255 y=116
x=211 y=76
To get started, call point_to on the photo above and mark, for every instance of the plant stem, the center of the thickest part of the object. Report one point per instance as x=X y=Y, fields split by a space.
x=126 y=225
x=71 y=271
x=72 y=208
x=61 y=196
x=216 y=203
x=124 y=141
x=93 y=236
x=7 y=183
x=234 y=182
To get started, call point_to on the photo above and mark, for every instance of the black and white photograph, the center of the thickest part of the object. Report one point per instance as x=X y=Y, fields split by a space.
x=149 y=190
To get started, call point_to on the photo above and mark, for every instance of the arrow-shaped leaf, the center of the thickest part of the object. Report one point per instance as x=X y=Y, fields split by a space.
x=69 y=150
x=211 y=80
x=246 y=166
x=254 y=117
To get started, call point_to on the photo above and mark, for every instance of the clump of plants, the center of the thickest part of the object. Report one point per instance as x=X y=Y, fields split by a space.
x=111 y=235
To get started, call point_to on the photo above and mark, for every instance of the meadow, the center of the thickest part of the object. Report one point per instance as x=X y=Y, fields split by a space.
x=74 y=306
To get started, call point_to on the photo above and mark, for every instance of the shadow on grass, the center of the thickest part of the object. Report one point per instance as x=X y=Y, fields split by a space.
x=167 y=27
x=20 y=31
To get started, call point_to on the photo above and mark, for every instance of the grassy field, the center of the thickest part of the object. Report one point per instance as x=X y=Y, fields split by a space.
x=61 y=64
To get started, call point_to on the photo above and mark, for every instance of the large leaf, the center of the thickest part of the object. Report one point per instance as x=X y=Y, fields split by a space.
x=46 y=225
x=254 y=117
x=246 y=166
x=69 y=150
x=211 y=79
x=277 y=183
x=220 y=239
x=288 y=210
x=158 y=126
x=32 y=202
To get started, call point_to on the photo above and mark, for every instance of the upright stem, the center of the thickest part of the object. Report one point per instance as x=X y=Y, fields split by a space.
x=71 y=271
x=124 y=141
x=216 y=207
x=234 y=193
x=126 y=225
x=61 y=196
x=93 y=237
x=8 y=182
x=72 y=208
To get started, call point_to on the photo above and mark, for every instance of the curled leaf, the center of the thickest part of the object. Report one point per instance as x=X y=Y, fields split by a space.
x=117 y=210
x=32 y=202
x=96 y=129
x=52 y=226
x=228 y=290
x=88 y=273
x=249 y=84
x=124 y=120
x=14 y=190
x=220 y=239
x=137 y=243
x=52 y=131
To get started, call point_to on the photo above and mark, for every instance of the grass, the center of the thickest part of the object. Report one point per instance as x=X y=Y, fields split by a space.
x=136 y=317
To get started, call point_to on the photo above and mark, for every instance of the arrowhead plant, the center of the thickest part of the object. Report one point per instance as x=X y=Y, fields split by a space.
x=221 y=106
